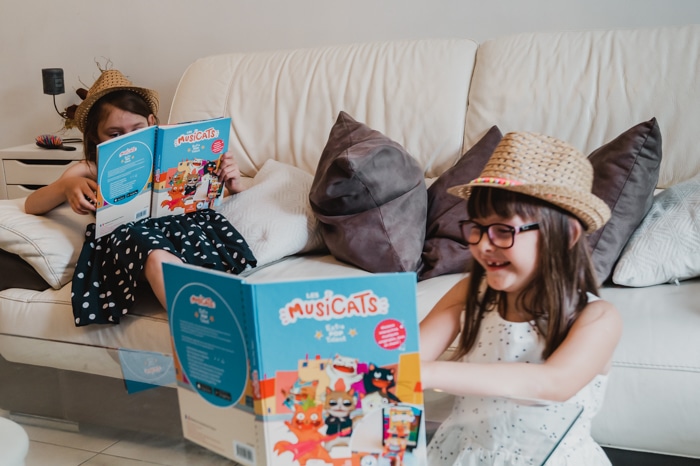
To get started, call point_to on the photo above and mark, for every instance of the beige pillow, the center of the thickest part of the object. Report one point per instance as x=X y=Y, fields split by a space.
x=274 y=215
x=50 y=243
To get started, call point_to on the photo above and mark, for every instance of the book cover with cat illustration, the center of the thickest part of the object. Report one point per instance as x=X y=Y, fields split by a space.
x=159 y=170
x=185 y=166
x=322 y=372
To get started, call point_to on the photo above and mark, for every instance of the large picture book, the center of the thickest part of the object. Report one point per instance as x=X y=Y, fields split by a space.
x=321 y=371
x=159 y=170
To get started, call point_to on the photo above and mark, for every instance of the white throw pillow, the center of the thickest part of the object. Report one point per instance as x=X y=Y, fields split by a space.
x=666 y=245
x=274 y=215
x=50 y=243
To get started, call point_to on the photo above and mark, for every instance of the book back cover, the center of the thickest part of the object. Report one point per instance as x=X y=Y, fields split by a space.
x=124 y=179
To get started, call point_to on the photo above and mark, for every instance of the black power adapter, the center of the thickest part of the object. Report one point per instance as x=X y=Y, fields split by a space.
x=53 y=81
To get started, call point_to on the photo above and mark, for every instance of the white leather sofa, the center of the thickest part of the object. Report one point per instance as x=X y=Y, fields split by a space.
x=436 y=98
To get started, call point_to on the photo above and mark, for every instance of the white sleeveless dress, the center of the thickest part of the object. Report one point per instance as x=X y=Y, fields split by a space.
x=496 y=431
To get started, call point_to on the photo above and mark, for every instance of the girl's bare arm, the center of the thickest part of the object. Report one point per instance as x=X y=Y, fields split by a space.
x=76 y=185
x=442 y=324
x=584 y=353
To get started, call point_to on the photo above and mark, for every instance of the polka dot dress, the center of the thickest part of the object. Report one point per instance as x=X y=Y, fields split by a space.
x=496 y=431
x=109 y=268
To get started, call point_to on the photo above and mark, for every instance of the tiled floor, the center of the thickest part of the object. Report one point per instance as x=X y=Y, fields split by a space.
x=52 y=443
x=93 y=446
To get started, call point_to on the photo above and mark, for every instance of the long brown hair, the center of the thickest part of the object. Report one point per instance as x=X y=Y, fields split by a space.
x=122 y=99
x=564 y=272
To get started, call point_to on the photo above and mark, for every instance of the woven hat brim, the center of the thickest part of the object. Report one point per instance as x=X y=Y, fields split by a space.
x=81 y=113
x=587 y=207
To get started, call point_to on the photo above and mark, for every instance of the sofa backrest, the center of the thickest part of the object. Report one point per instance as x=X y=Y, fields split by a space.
x=283 y=103
x=588 y=87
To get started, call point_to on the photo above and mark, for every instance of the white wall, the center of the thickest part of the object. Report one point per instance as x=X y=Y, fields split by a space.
x=153 y=41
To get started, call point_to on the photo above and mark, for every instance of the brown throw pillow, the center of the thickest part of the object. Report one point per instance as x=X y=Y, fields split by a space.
x=369 y=196
x=444 y=250
x=626 y=171
x=19 y=274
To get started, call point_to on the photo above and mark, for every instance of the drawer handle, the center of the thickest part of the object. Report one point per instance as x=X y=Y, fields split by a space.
x=45 y=162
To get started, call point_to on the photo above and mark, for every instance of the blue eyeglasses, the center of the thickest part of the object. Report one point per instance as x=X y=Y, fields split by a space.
x=500 y=235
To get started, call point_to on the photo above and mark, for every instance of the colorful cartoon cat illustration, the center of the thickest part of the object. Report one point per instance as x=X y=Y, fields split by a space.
x=338 y=407
x=343 y=373
x=380 y=379
x=373 y=401
x=300 y=392
x=191 y=183
x=176 y=192
x=305 y=426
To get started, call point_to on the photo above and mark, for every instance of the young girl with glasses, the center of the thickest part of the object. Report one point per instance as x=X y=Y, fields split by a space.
x=526 y=322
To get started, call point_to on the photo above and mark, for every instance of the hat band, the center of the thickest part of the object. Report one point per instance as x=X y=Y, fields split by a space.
x=494 y=180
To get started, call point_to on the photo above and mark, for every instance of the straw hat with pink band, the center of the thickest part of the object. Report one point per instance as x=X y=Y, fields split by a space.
x=110 y=81
x=545 y=168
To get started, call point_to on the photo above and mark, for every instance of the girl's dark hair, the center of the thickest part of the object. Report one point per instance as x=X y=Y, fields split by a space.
x=124 y=100
x=564 y=273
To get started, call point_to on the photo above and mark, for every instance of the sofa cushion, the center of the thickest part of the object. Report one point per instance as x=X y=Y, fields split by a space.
x=370 y=196
x=666 y=245
x=626 y=171
x=274 y=215
x=282 y=102
x=585 y=87
x=444 y=250
x=50 y=243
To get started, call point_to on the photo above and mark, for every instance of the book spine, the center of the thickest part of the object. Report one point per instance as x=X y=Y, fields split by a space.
x=259 y=454
x=157 y=171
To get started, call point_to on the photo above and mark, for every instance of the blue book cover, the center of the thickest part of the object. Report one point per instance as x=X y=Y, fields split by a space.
x=187 y=158
x=290 y=371
x=124 y=178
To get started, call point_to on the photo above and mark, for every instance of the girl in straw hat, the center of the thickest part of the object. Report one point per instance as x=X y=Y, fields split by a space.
x=527 y=319
x=110 y=268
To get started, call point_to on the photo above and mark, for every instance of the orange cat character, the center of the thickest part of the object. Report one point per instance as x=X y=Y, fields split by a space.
x=176 y=192
x=305 y=426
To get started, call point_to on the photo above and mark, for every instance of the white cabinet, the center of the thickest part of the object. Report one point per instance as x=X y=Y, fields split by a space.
x=28 y=167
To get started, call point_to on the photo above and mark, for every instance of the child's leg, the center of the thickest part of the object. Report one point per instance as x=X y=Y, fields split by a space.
x=153 y=272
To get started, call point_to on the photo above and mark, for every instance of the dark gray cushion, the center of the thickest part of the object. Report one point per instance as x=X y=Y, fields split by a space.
x=19 y=274
x=626 y=171
x=444 y=250
x=370 y=197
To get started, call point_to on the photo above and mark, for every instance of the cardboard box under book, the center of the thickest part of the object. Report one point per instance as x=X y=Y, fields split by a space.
x=313 y=372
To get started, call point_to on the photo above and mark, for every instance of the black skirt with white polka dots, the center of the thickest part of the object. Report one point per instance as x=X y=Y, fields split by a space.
x=109 y=268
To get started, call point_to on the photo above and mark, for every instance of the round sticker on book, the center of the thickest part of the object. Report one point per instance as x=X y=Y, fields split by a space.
x=217 y=146
x=209 y=344
x=124 y=172
x=390 y=334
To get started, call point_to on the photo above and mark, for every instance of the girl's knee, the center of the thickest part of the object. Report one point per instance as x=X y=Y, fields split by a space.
x=156 y=258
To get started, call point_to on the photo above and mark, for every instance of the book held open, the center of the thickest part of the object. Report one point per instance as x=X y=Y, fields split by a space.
x=159 y=170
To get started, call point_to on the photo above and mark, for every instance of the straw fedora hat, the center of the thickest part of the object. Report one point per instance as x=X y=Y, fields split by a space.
x=110 y=81
x=545 y=168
